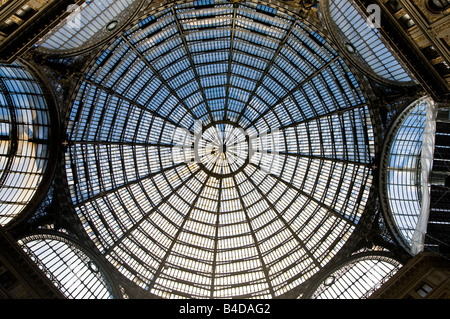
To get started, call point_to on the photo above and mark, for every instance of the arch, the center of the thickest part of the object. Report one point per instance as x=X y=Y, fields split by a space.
x=357 y=277
x=358 y=35
x=29 y=138
x=72 y=268
x=401 y=181
x=88 y=25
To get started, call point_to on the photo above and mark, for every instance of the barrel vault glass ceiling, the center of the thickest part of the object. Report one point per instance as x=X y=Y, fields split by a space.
x=365 y=42
x=219 y=150
x=24 y=136
x=403 y=171
x=87 y=24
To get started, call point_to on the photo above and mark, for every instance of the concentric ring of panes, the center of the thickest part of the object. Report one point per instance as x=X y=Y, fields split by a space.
x=87 y=24
x=24 y=139
x=178 y=230
x=358 y=278
x=403 y=172
x=221 y=150
x=72 y=270
x=360 y=33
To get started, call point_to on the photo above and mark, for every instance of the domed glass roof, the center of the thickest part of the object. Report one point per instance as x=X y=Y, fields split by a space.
x=219 y=150
x=86 y=24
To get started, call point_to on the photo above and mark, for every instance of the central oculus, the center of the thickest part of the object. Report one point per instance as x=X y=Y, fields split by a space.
x=222 y=149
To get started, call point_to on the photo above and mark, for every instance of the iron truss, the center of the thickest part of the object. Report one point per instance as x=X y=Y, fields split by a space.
x=208 y=224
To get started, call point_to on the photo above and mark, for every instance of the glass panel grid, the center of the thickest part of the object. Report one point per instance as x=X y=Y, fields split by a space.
x=83 y=24
x=25 y=130
x=70 y=269
x=403 y=172
x=185 y=228
x=367 y=41
x=357 y=279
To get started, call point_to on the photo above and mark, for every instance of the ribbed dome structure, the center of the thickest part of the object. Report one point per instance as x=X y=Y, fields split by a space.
x=219 y=150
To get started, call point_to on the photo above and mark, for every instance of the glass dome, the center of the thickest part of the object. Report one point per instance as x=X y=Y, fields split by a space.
x=86 y=24
x=219 y=150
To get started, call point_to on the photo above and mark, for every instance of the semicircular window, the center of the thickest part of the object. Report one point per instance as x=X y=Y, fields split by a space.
x=71 y=269
x=365 y=42
x=357 y=279
x=86 y=24
x=24 y=135
x=220 y=150
x=403 y=172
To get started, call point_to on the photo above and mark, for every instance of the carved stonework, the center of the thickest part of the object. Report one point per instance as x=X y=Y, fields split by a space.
x=424 y=268
x=430 y=16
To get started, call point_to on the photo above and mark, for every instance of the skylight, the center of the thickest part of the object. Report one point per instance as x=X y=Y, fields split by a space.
x=24 y=135
x=219 y=151
x=365 y=41
x=358 y=279
x=403 y=171
x=70 y=269
x=85 y=24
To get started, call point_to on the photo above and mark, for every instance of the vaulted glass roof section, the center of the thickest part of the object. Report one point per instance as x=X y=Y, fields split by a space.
x=276 y=144
x=403 y=172
x=85 y=24
x=357 y=279
x=24 y=137
x=69 y=268
x=361 y=33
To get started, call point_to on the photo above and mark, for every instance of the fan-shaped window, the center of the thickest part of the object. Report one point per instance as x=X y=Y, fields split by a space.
x=219 y=150
x=76 y=274
x=366 y=43
x=87 y=24
x=24 y=137
x=357 y=279
x=403 y=171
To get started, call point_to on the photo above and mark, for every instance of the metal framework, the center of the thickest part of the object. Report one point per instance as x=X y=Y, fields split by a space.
x=88 y=25
x=24 y=142
x=359 y=37
x=213 y=225
x=355 y=278
x=401 y=180
x=72 y=268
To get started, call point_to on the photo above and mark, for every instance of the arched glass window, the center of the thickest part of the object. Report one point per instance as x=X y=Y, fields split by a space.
x=220 y=150
x=364 y=42
x=24 y=139
x=358 y=278
x=403 y=171
x=87 y=24
x=76 y=274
